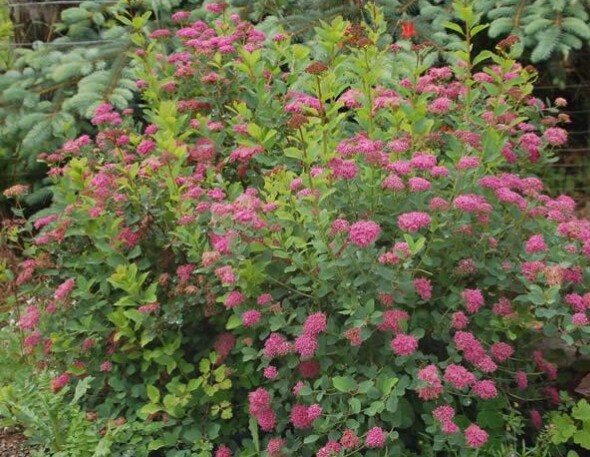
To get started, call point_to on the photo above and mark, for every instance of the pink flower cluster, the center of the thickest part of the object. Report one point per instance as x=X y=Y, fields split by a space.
x=414 y=221
x=364 y=233
x=430 y=376
x=259 y=407
x=445 y=415
x=376 y=438
x=307 y=343
x=302 y=417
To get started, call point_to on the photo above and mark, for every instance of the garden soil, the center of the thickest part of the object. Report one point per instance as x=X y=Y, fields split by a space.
x=12 y=444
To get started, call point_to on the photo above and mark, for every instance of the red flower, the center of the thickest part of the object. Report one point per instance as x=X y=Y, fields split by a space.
x=408 y=30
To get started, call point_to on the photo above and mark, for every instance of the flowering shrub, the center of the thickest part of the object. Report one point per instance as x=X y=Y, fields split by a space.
x=325 y=250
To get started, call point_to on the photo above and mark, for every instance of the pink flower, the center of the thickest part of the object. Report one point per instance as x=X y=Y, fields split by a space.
x=225 y=274
x=431 y=377
x=145 y=147
x=331 y=449
x=443 y=413
x=299 y=417
x=210 y=258
x=475 y=436
x=349 y=439
x=580 y=319
x=423 y=288
x=375 y=438
x=64 y=289
x=536 y=418
x=419 y=184
x=309 y=369
x=314 y=411
x=267 y=420
x=423 y=161
x=217 y=8
x=468 y=162
x=459 y=376
x=59 y=382
x=485 y=389
x=271 y=372
x=30 y=319
x=438 y=203
x=306 y=345
x=393 y=182
x=449 y=427
x=354 y=336
x=459 y=320
x=485 y=364
x=404 y=345
x=315 y=324
x=535 y=243
x=339 y=226
x=503 y=307
x=343 y=169
x=429 y=374
x=414 y=221
x=32 y=340
x=234 y=298
x=472 y=203
x=522 y=381
x=264 y=299
x=274 y=446
x=259 y=400
x=351 y=98
x=555 y=136
x=251 y=317
x=223 y=451
x=473 y=300
x=180 y=16
x=276 y=346
x=106 y=366
x=392 y=319
x=501 y=351
x=437 y=172
x=431 y=392
x=363 y=233
x=223 y=346
x=440 y=105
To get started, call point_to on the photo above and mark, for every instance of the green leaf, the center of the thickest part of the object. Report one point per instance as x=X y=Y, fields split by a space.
x=455 y=27
x=147 y=410
x=81 y=388
x=375 y=408
x=388 y=385
x=482 y=56
x=344 y=383
x=156 y=444
x=582 y=437
x=354 y=405
x=253 y=426
x=234 y=321
x=311 y=439
x=582 y=411
x=153 y=393
x=479 y=28
x=563 y=430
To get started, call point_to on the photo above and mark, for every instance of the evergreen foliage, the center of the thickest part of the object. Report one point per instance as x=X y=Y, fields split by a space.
x=51 y=89
x=546 y=26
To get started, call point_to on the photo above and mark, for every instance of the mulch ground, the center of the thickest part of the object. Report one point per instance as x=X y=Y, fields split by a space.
x=12 y=444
